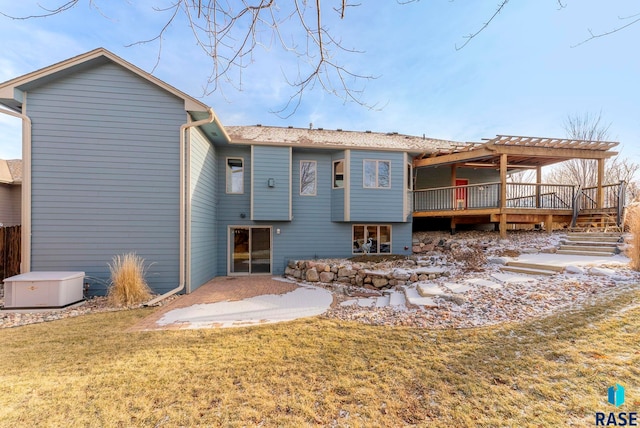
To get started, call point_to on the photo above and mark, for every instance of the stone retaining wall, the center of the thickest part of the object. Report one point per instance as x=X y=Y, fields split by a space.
x=361 y=275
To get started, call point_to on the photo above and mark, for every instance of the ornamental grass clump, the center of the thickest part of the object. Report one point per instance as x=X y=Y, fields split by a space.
x=128 y=286
x=633 y=247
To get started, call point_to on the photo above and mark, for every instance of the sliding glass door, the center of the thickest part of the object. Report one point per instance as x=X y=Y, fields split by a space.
x=250 y=250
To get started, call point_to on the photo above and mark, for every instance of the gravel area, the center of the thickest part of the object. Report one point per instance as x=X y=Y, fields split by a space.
x=480 y=306
x=483 y=306
x=92 y=305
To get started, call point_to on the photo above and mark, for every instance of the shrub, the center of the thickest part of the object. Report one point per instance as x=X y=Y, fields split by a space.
x=128 y=286
x=632 y=221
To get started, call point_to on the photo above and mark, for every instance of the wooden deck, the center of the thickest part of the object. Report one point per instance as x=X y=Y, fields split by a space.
x=519 y=203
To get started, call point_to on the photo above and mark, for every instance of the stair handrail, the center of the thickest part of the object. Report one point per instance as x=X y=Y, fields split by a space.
x=622 y=201
x=576 y=207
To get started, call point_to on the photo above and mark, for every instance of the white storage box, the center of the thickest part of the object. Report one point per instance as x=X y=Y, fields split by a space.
x=43 y=290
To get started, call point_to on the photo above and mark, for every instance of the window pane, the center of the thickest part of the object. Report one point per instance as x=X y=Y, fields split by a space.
x=370 y=173
x=409 y=177
x=385 y=239
x=372 y=233
x=338 y=174
x=308 y=177
x=358 y=238
x=235 y=176
x=383 y=174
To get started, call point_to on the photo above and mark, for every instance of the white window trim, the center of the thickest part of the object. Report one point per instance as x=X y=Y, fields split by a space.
x=378 y=232
x=409 y=179
x=364 y=161
x=333 y=173
x=315 y=178
x=227 y=175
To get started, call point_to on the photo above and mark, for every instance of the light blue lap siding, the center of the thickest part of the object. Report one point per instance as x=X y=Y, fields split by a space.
x=429 y=177
x=105 y=180
x=381 y=204
x=233 y=208
x=203 y=210
x=337 y=195
x=311 y=233
x=271 y=183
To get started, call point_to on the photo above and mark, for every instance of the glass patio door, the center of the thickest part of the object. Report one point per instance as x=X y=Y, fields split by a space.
x=250 y=250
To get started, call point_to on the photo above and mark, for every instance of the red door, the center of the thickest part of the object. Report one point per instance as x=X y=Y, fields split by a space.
x=461 y=194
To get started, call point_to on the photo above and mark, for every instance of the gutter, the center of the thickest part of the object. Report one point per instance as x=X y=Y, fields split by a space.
x=25 y=262
x=185 y=240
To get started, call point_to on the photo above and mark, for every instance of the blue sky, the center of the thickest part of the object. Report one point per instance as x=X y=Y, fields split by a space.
x=518 y=77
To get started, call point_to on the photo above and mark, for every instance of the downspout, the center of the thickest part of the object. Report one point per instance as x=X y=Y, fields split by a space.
x=25 y=250
x=184 y=180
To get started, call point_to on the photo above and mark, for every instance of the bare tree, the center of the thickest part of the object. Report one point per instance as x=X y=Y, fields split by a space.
x=229 y=31
x=591 y=127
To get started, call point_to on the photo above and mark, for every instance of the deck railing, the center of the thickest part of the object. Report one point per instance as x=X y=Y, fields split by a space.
x=532 y=195
x=487 y=195
x=613 y=196
x=468 y=197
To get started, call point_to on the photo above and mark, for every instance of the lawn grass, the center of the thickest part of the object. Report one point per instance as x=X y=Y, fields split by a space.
x=89 y=371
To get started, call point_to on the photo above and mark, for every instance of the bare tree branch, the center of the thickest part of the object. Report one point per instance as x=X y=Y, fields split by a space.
x=634 y=20
x=486 y=24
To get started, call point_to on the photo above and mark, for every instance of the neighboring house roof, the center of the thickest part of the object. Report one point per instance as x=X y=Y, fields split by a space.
x=11 y=171
x=325 y=138
x=15 y=167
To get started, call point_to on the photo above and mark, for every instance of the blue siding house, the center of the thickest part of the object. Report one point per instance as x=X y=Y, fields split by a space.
x=116 y=160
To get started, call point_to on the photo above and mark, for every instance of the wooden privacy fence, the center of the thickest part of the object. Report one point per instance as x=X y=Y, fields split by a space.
x=9 y=251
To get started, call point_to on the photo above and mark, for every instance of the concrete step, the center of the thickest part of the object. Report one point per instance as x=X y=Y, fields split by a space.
x=382 y=301
x=583 y=253
x=591 y=248
x=413 y=297
x=397 y=298
x=590 y=243
x=536 y=266
x=527 y=271
x=589 y=237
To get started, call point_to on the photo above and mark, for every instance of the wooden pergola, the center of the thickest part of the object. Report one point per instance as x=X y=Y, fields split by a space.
x=508 y=153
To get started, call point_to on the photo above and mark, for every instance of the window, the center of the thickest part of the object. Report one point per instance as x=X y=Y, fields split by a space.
x=338 y=174
x=235 y=175
x=371 y=239
x=377 y=174
x=308 y=178
x=409 y=177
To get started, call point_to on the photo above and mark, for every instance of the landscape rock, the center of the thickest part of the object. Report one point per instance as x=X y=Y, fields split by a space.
x=326 y=276
x=312 y=275
x=379 y=282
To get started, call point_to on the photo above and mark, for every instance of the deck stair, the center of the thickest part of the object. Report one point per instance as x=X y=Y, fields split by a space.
x=591 y=220
x=591 y=243
x=532 y=268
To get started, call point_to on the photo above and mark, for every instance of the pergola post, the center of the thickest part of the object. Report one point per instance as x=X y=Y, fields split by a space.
x=599 y=191
x=454 y=168
x=503 y=195
x=538 y=182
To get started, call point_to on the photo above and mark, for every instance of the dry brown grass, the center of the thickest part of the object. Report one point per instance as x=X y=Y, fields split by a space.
x=128 y=286
x=88 y=371
x=633 y=225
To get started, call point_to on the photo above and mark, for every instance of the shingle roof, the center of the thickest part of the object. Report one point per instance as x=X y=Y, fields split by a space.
x=15 y=168
x=11 y=171
x=303 y=137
